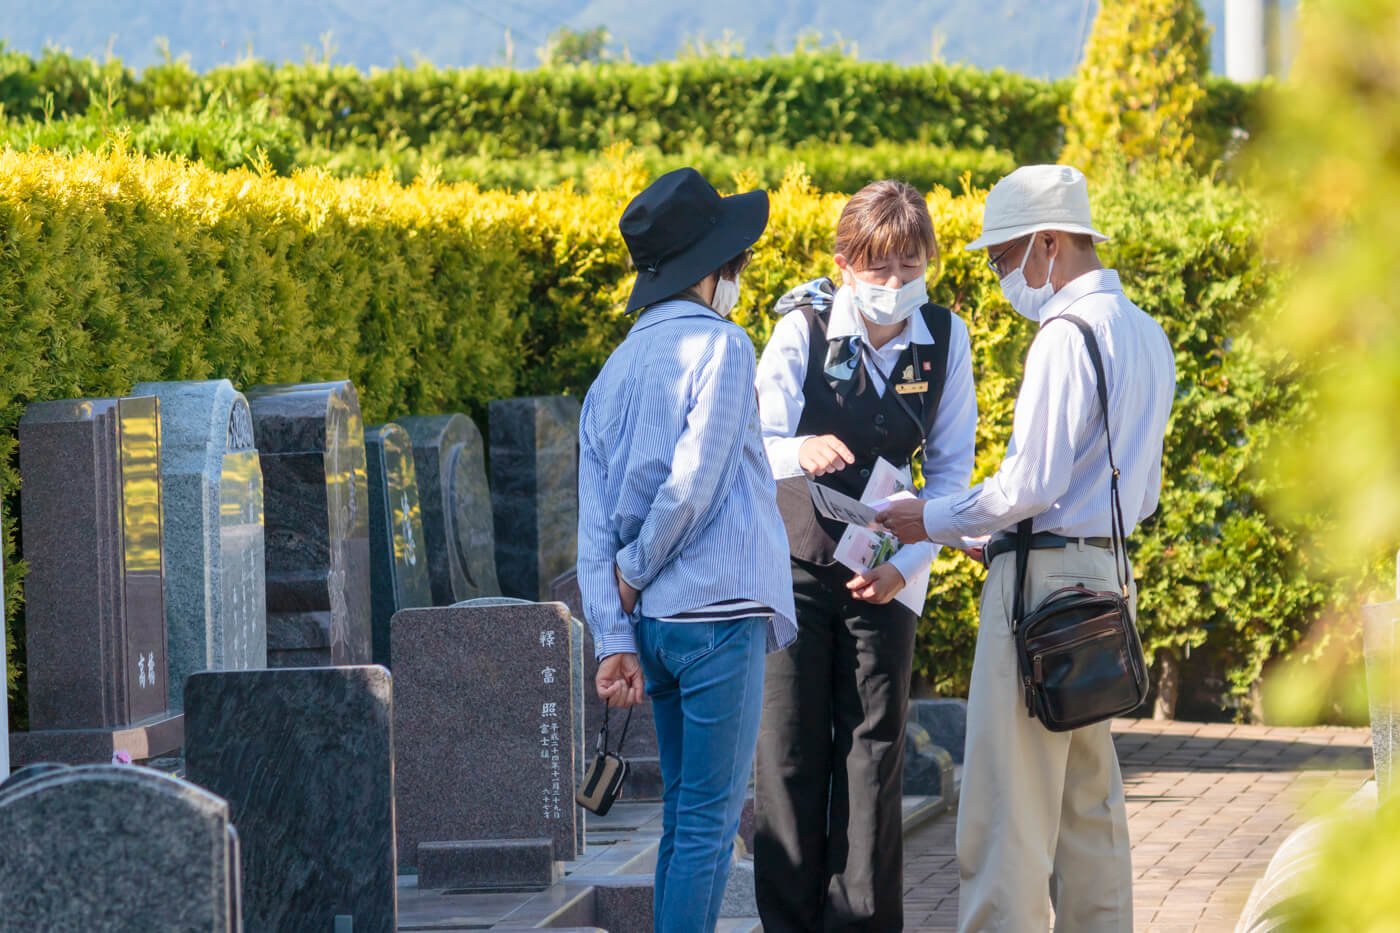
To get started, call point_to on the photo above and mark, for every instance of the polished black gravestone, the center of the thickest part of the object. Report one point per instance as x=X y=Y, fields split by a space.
x=398 y=557
x=215 y=592
x=483 y=720
x=534 y=491
x=450 y=460
x=119 y=849
x=94 y=594
x=311 y=445
x=4 y=692
x=305 y=759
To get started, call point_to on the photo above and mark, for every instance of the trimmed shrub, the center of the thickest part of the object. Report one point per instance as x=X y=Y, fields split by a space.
x=218 y=136
x=745 y=105
x=118 y=268
x=831 y=167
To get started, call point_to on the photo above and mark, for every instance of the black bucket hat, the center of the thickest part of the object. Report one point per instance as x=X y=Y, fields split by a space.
x=679 y=230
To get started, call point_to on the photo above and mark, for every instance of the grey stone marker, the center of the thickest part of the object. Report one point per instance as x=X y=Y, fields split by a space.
x=311 y=445
x=534 y=491
x=450 y=460
x=1380 y=625
x=117 y=849
x=305 y=759
x=398 y=557
x=95 y=633
x=215 y=592
x=4 y=683
x=644 y=782
x=482 y=724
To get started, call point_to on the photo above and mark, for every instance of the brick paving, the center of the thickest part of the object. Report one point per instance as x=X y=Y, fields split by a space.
x=1208 y=805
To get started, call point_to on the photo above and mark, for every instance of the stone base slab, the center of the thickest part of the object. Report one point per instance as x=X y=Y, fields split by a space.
x=147 y=740
x=489 y=865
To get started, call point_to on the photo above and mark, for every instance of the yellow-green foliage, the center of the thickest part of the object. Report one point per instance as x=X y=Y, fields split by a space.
x=119 y=268
x=1136 y=94
x=1331 y=166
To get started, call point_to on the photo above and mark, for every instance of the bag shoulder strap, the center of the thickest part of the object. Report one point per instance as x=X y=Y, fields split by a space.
x=1119 y=530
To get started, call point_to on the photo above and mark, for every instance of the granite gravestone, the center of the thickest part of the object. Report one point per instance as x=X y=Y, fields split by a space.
x=215 y=595
x=1380 y=625
x=95 y=611
x=4 y=679
x=116 y=848
x=482 y=723
x=398 y=558
x=534 y=491
x=645 y=781
x=311 y=446
x=305 y=759
x=449 y=458
x=581 y=742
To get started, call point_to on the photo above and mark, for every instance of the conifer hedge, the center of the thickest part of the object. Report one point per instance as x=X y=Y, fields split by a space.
x=745 y=105
x=119 y=268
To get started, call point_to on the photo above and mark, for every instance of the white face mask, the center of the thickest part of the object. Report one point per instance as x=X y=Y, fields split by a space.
x=1027 y=301
x=726 y=297
x=882 y=305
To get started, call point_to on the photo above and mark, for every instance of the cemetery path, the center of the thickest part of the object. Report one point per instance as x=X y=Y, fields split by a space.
x=1208 y=805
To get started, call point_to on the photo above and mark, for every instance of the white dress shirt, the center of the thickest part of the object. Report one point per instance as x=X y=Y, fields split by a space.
x=951 y=444
x=1056 y=465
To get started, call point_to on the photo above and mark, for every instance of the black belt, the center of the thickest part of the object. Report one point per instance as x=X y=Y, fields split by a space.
x=1004 y=542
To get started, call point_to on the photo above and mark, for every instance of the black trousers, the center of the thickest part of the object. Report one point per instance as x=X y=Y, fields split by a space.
x=828 y=843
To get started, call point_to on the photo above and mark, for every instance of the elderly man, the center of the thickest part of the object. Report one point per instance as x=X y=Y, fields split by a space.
x=1044 y=809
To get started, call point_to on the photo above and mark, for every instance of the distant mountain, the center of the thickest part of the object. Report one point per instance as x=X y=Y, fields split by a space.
x=1042 y=38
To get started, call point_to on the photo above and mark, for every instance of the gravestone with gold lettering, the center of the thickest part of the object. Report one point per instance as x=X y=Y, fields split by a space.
x=311 y=446
x=215 y=594
x=94 y=595
x=398 y=557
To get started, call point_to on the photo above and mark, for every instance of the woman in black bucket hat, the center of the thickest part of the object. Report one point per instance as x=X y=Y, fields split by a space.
x=682 y=555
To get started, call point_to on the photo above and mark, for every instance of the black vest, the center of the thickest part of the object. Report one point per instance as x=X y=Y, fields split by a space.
x=840 y=399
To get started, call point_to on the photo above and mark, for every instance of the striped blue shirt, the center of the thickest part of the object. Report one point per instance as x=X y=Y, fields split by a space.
x=674 y=484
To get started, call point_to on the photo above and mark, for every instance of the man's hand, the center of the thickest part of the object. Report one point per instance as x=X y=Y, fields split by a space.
x=976 y=548
x=620 y=681
x=824 y=454
x=905 y=520
x=626 y=592
x=878 y=586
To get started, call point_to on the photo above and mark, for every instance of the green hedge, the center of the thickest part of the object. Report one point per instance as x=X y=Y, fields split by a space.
x=831 y=167
x=116 y=269
x=743 y=104
x=218 y=136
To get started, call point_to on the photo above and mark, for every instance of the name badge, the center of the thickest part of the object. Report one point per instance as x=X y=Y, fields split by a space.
x=909 y=388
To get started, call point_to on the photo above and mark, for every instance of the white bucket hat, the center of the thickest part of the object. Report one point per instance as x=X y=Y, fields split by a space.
x=1035 y=198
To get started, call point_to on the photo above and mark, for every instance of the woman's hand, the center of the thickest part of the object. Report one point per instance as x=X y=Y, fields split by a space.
x=824 y=454
x=877 y=586
x=620 y=681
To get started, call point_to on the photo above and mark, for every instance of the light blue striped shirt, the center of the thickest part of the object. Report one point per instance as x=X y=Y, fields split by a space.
x=674 y=485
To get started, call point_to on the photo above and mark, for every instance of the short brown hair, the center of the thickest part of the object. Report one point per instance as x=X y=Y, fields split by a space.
x=886 y=218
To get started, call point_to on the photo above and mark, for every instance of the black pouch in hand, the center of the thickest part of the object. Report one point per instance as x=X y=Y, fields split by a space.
x=603 y=780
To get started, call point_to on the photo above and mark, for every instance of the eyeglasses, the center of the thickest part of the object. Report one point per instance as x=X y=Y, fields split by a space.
x=994 y=262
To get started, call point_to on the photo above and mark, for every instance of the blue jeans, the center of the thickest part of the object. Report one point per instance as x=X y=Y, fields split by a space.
x=705 y=680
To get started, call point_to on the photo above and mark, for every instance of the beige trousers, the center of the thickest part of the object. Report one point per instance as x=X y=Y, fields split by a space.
x=1041 y=811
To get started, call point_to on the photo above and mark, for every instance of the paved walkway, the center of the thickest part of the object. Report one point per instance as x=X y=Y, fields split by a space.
x=1208 y=805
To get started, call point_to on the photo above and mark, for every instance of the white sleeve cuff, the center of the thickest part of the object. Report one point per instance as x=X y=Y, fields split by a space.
x=913 y=559
x=938 y=522
x=783 y=455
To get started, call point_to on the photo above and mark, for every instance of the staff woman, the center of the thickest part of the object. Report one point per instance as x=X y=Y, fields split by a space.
x=853 y=374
